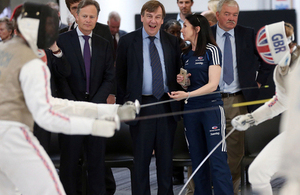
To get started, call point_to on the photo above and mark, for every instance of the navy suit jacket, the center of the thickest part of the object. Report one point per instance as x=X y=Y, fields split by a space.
x=122 y=33
x=129 y=65
x=248 y=61
x=102 y=70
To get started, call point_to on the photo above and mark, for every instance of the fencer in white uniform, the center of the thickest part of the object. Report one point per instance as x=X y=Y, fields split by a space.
x=25 y=95
x=290 y=158
x=278 y=39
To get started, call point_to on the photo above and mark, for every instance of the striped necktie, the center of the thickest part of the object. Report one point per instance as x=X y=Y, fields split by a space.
x=157 y=77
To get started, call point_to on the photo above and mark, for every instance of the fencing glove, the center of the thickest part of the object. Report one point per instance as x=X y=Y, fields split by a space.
x=128 y=110
x=243 y=122
x=105 y=127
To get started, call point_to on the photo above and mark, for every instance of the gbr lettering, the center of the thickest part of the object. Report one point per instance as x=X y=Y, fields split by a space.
x=278 y=43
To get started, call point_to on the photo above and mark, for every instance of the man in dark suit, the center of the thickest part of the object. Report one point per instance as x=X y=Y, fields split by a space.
x=103 y=31
x=114 y=22
x=135 y=65
x=91 y=79
x=244 y=65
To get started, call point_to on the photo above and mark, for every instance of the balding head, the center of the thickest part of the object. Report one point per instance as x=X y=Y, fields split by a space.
x=113 y=22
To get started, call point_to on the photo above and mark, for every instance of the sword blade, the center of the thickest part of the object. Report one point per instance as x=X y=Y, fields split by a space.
x=203 y=161
x=173 y=100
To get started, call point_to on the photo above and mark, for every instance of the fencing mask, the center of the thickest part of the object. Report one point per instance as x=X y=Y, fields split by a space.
x=38 y=24
x=272 y=43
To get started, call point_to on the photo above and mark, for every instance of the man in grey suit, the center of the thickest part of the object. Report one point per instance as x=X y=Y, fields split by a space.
x=136 y=68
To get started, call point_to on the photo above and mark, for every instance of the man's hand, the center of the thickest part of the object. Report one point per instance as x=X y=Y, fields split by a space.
x=111 y=99
x=258 y=84
x=243 y=122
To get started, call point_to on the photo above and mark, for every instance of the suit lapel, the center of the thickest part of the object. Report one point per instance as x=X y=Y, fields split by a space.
x=138 y=50
x=95 y=51
x=166 y=47
x=77 y=49
x=214 y=31
x=238 y=43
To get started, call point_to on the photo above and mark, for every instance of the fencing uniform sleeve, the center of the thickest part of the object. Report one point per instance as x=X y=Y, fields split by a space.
x=86 y=109
x=277 y=104
x=35 y=78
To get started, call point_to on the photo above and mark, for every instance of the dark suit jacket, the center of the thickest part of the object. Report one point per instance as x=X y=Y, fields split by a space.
x=102 y=70
x=62 y=26
x=59 y=68
x=248 y=61
x=129 y=65
x=122 y=33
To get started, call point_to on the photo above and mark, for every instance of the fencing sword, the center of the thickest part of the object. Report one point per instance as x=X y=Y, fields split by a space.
x=203 y=161
x=173 y=100
x=171 y=114
x=138 y=107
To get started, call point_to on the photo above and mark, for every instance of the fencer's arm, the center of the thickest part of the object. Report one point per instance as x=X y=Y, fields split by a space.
x=34 y=78
x=127 y=111
x=267 y=111
x=270 y=109
x=86 y=109
x=277 y=104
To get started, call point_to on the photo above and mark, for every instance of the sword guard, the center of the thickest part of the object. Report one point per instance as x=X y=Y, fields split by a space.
x=137 y=106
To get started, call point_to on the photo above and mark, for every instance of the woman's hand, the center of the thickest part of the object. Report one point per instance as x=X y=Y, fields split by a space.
x=180 y=79
x=178 y=95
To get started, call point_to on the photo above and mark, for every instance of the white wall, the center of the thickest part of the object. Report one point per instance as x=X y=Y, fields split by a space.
x=128 y=8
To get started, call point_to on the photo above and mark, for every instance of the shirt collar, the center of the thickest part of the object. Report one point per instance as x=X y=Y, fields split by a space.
x=179 y=19
x=80 y=34
x=145 y=35
x=221 y=32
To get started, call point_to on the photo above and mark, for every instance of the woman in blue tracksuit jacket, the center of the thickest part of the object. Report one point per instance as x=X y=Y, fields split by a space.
x=205 y=129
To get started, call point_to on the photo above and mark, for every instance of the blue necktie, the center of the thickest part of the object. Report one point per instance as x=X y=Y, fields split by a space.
x=87 y=61
x=228 y=62
x=157 y=77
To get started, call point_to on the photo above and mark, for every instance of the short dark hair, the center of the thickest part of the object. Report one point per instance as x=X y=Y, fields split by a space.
x=85 y=3
x=171 y=22
x=69 y=2
x=151 y=6
x=191 y=1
